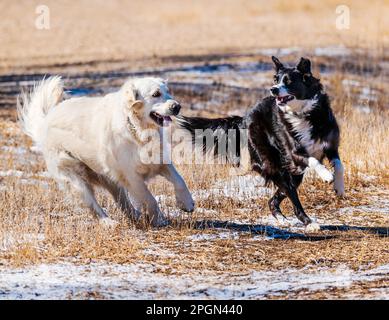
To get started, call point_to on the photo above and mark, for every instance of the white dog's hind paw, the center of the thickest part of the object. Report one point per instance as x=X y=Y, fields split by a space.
x=108 y=223
x=136 y=214
x=312 y=227
x=186 y=203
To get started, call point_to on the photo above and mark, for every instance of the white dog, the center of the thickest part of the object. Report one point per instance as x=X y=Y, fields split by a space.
x=96 y=141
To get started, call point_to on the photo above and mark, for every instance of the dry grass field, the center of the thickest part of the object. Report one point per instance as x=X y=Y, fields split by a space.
x=216 y=56
x=97 y=31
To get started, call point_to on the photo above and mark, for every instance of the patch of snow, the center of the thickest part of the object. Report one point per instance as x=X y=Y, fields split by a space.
x=366 y=93
x=367 y=177
x=369 y=94
x=157 y=251
x=34 y=182
x=207 y=211
x=332 y=51
x=279 y=51
x=290 y=223
x=364 y=209
x=25 y=178
x=12 y=173
x=135 y=281
x=19 y=174
x=35 y=149
x=379 y=204
x=15 y=150
x=7 y=241
x=237 y=187
x=239 y=75
x=363 y=109
x=224 y=235
x=351 y=83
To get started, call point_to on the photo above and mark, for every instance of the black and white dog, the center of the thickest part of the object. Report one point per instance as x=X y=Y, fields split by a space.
x=290 y=130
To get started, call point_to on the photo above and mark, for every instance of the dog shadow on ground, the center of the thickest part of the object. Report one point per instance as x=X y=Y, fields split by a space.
x=378 y=231
x=282 y=234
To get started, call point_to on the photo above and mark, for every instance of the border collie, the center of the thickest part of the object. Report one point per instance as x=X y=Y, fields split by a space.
x=288 y=131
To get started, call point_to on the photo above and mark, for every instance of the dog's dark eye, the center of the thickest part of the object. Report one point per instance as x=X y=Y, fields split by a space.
x=287 y=80
x=157 y=94
x=276 y=79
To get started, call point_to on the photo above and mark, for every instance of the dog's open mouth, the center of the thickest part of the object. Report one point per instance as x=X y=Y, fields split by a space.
x=284 y=99
x=162 y=121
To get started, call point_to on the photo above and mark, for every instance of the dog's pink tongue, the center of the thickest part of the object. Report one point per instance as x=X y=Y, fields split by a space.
x=166 y=121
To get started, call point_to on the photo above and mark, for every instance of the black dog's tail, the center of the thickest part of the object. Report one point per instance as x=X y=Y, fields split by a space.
x=226 y=132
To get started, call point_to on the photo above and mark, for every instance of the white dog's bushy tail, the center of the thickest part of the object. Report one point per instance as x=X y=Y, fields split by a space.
x=33 y=107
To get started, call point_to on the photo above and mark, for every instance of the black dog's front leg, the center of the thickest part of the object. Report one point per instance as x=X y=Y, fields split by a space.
x=275 y=202
x=332 y=155
x=286 y=184
x=279 y=196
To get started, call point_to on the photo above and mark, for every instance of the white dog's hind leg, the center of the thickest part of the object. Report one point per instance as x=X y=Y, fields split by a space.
x=143 y=200
x=88 y=197
x=183 y=197
x=339 y=179
x=119 y=194
x=65 y=168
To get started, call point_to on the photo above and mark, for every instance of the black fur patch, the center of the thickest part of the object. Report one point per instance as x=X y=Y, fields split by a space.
x=223 y=124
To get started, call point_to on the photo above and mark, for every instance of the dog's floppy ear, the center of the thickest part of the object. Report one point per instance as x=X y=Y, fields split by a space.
x=129 y=92
x=136 y=105
x=131 y=96
x=134 y=122
x=277 y=63
x=304 y=66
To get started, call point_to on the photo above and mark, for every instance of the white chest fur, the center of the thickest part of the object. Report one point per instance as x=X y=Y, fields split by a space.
x=302 y=128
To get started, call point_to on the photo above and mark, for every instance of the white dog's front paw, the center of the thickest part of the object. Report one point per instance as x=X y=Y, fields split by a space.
x=185 y=202
x=312 y=227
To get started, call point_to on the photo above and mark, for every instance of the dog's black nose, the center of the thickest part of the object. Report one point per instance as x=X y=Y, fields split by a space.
x=274 y=91
x=176 y=108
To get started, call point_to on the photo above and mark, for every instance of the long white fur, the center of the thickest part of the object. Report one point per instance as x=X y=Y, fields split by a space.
x=33 y=107
x=92 y=132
